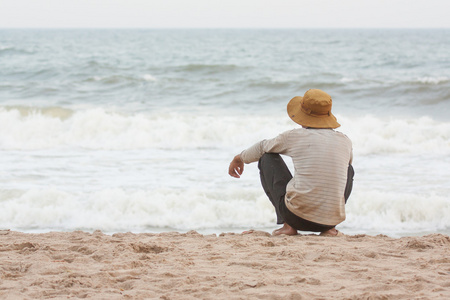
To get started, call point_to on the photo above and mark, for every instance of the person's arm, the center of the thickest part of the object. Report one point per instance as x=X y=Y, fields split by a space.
x=236 y=167
x=254 y=153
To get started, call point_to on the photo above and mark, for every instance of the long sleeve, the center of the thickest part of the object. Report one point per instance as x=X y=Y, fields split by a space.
x=275 y=145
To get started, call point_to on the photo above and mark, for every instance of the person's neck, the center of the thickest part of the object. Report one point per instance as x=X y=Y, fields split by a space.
x=314 y=127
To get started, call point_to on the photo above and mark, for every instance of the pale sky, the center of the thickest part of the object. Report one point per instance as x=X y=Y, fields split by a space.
x=224 y=14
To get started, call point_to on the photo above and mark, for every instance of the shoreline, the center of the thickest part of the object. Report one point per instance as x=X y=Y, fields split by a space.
x=173 y=265
x=234 y=230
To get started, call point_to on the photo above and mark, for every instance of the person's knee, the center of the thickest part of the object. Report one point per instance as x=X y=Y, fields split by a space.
x=266 y=158
x=262 y=160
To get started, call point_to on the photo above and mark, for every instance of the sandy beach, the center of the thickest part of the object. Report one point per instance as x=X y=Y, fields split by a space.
x=173 y=265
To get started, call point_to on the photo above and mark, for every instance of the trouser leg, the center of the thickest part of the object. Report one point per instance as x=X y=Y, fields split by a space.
x=349 y=185
x=275 y=176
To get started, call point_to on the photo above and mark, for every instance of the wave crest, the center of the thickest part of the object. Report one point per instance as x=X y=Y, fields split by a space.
x=43 y=128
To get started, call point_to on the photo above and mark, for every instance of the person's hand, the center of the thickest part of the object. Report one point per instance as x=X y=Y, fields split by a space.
x=236 y=167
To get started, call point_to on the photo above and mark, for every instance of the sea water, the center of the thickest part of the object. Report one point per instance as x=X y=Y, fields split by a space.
x=133 y=130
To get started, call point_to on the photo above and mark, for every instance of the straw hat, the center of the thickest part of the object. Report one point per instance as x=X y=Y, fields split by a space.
x=312 y=110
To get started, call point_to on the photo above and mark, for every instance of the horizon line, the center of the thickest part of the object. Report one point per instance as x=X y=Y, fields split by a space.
x=228 y=28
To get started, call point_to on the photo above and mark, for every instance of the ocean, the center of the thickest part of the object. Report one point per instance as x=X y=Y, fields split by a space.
x=133 y=130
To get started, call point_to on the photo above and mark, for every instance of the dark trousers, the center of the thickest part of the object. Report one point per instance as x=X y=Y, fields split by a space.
x=275 y=176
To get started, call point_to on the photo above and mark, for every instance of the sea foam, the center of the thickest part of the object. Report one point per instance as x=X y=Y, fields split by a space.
x=397 y=211
x=98 y=128
x=116 y=209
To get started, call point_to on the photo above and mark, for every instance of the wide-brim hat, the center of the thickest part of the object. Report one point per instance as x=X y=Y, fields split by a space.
x=312 y=110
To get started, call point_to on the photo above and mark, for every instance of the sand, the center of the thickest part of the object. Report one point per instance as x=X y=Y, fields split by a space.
x=63 y=265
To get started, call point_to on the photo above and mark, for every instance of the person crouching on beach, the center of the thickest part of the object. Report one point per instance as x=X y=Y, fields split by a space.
x=314 y=199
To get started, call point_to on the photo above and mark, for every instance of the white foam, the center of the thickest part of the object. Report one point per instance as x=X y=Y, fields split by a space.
x=116 y=209
x=397 y=211
x=100 y=129
x=97 y=128
x=433 y=80
x=372 y=135
x=347 y=79
x=149 y=77
x=120 y=210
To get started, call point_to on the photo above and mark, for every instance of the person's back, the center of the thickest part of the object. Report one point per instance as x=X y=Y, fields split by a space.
x=320 y=158
x=314 y=198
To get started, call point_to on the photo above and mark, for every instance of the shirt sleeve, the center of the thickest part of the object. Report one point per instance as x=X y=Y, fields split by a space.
x=275 y=145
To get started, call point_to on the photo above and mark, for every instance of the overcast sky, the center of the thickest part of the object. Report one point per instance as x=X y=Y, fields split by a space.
x=224 y=13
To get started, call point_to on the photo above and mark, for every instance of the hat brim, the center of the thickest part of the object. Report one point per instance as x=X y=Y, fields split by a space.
x=298 y=116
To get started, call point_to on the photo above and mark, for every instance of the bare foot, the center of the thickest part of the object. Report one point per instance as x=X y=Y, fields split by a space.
x=286 y=229
x=331 y=232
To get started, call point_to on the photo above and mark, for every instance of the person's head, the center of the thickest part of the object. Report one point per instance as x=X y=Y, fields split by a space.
x=312 y=110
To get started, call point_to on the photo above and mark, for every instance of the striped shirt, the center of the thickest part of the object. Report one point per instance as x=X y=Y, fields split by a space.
x=321 y=158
